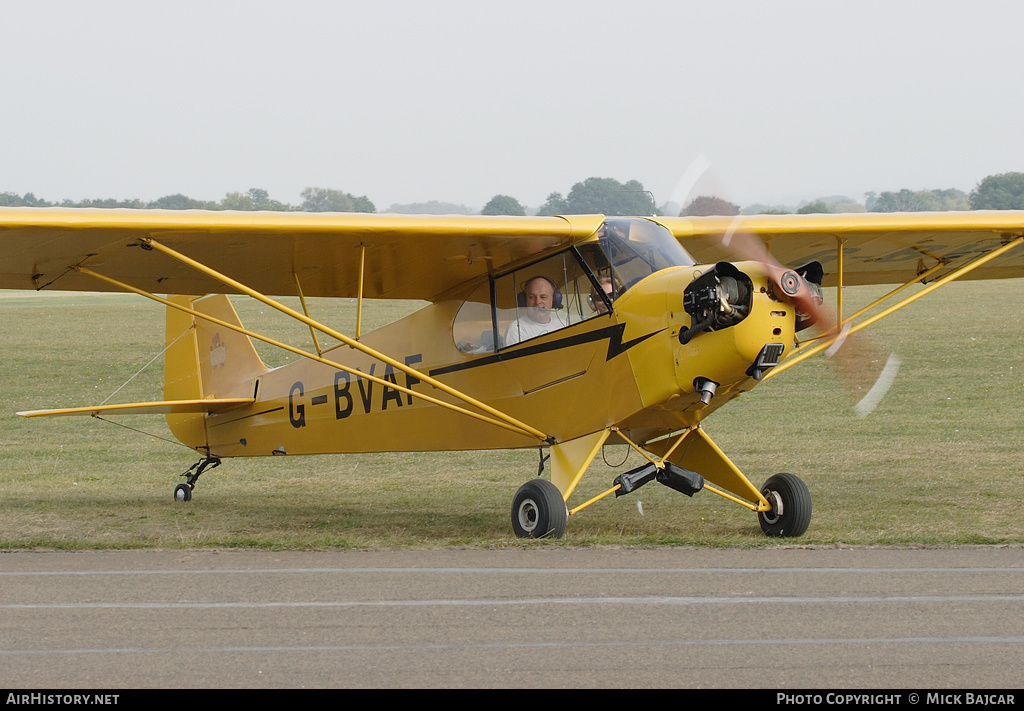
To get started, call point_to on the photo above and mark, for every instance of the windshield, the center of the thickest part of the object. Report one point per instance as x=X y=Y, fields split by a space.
x=637 y=248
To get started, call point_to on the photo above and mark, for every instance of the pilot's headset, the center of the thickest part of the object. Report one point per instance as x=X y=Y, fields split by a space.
x=521 y=296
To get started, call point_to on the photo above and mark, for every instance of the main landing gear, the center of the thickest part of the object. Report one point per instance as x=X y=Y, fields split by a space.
x=538 y=510
x=791 y=506
x=782 y=505
x=183 y=492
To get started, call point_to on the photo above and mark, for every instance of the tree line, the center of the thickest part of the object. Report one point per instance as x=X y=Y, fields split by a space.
x=1004 y=191
x=606 y=196
x=313 y=200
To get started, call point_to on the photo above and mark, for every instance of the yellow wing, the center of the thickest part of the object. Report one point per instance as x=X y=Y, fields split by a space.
x=402 y=256
x=878 y=248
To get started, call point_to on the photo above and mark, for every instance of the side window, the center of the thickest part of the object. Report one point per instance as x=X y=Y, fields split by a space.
x=544 y=297
x=541 y=298
x=530 y=302
x=473 y=329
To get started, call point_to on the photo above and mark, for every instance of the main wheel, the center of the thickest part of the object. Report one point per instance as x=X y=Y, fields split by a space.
x=183 y=492
x=538 y=510
x=791 y=506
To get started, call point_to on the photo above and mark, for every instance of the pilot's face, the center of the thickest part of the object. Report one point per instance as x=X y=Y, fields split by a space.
x=597 y=301
x=540 y=297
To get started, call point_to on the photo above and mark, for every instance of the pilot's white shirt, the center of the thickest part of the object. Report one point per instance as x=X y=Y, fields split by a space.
x=525 y=328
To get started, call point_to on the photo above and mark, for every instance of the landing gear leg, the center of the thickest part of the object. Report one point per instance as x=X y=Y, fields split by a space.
x=183 y=492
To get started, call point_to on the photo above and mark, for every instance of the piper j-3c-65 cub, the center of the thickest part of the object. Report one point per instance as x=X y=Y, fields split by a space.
x=563 y=333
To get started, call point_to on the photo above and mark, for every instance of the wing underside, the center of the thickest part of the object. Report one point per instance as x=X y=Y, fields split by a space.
x=281 y=254
x=876 y=248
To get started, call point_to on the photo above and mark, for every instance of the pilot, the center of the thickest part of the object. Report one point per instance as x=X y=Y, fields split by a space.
x=541 y=299
x=595 y=300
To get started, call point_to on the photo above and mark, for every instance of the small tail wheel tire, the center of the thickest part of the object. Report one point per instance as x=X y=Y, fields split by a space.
x=183 y=492
x=791 y=507
x=538 y=510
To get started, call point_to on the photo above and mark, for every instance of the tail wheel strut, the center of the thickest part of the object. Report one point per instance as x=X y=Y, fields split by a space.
x=183 y=492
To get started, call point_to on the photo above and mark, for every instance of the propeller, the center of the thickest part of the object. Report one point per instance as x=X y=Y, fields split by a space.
x=867 y=371
x=802 y=285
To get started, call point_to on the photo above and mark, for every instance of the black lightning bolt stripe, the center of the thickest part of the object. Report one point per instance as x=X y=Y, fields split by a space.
x=612 y=333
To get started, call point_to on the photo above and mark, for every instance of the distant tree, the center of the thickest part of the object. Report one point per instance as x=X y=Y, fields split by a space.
x=999 y=192
x=952 y=199
x=845 y=205
x=431 y=207
x=503 y=205
x=608 y=196
x=917 y=201
x=180 y=202
x=818 y=206
x=709 y=205
x=237 y=201
x=902 y=201
x=107 y=203
x=762 y=209
x=261 y=201
x=555 y=205
x=326 y=200
x=28 y=200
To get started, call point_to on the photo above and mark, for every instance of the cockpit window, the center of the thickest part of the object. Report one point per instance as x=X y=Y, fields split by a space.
x=544 y=297
x=565 y=289
x=636 y=248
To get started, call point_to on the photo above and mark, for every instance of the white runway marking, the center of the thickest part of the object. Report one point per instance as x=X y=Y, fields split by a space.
x=654 y=600
x=507 y=571
x=528 y=645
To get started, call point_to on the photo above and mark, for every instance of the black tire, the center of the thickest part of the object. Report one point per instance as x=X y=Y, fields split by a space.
x=791 y=502
x=183 y=492
x=538 y=510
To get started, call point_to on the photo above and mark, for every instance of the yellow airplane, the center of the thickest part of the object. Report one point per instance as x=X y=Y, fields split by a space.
x=561 y=333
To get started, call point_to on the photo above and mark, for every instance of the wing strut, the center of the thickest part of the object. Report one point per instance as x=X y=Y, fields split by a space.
x=496 y=417
x=305 y=310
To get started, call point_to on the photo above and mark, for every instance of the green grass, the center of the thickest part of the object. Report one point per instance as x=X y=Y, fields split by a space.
x=938 y=463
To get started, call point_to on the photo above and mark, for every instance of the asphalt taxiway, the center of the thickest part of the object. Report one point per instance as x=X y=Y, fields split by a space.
x=773 y=618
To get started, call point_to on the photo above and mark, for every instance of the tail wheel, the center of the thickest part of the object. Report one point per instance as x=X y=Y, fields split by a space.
x=538 y=510
x=791 y=507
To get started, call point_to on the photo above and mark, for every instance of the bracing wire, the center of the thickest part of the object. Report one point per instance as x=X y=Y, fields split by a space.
x=139 y=372
x=143 y=432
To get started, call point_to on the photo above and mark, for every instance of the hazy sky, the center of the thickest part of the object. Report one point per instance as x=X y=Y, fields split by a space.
x=461 y=100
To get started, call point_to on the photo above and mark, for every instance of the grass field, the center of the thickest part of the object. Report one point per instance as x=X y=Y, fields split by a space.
x=939 y=462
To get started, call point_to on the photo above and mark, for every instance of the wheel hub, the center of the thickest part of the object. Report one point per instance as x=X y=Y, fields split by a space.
x=777 y=511
x=528 y=515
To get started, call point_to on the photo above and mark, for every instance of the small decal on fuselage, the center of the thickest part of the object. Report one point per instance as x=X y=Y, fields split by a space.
x=218 y=352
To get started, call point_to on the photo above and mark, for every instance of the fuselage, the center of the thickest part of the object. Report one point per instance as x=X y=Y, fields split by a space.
x=631 y=362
